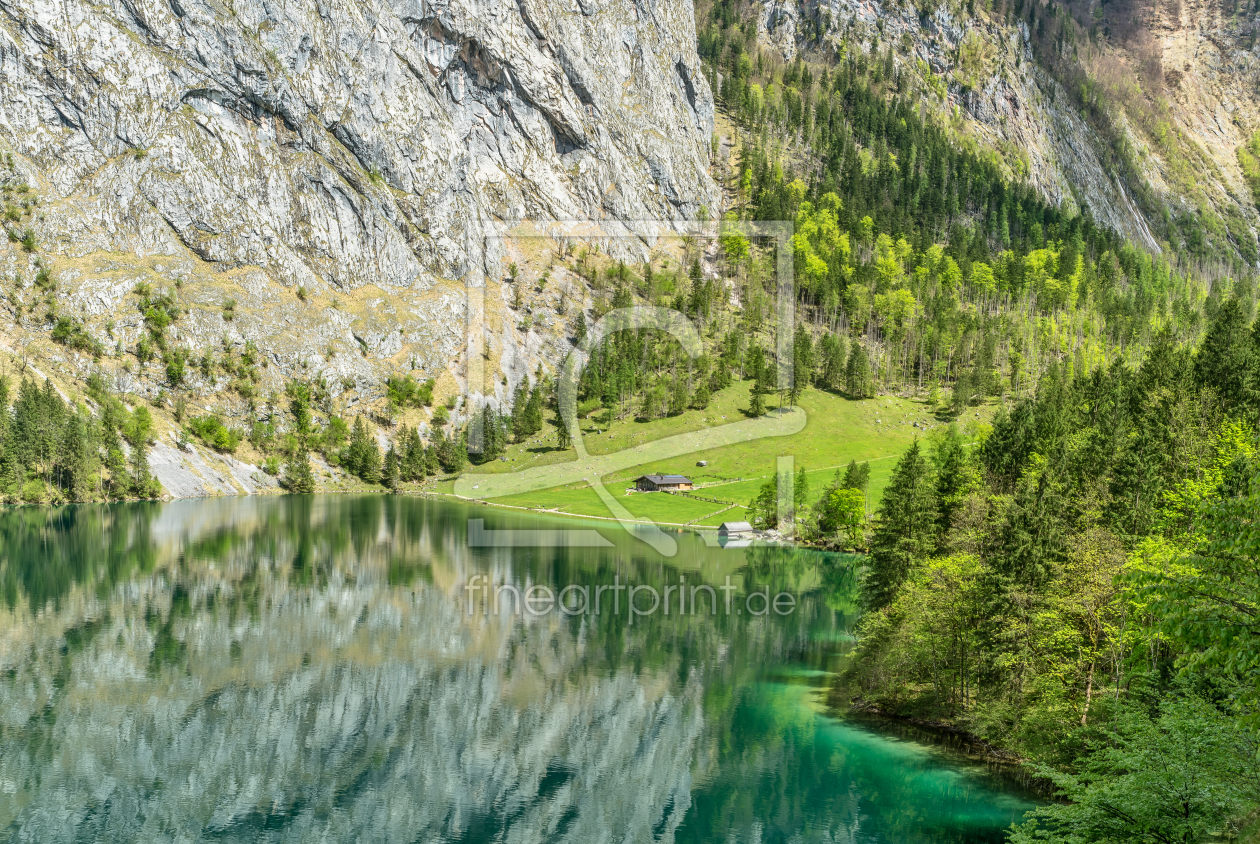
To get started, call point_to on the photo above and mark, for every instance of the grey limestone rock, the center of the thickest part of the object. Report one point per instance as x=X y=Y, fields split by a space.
x=343 y=143
x=323 y=179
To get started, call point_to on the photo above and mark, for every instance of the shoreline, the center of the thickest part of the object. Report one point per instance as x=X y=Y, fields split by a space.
x=276 y=491
x=1001 y=763
x=978 y=746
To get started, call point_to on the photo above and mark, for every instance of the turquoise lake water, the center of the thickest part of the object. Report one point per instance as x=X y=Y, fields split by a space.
x=316 y=669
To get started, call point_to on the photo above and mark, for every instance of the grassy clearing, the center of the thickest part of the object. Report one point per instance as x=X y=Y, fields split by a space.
x=838 y=430
x=742 y=492
x=583 y=501
x=733 y=514
x=602 y=437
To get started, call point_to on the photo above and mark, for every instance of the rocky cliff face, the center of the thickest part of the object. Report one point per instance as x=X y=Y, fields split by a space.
x=329 y=170
x=336 y=145
x=1177 y=82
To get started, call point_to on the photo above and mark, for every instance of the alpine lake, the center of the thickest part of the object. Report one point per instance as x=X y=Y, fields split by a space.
x=361 y=668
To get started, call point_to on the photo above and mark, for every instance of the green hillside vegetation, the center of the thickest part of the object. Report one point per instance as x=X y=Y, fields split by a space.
x=1081 y=589
x=943 y=268
x=839 y=431
x=52 y=451
x=921 y=273
x=804 y=101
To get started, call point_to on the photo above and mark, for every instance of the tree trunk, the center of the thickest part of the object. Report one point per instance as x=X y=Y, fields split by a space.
x=1089 y=693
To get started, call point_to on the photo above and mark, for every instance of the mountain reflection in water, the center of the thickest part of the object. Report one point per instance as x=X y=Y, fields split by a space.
x=307 y=669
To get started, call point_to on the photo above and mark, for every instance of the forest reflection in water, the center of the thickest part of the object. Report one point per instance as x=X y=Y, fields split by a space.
x=307 y=669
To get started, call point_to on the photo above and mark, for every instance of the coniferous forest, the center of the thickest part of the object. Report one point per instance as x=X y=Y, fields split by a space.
x=1080 y=589
x=1078 y=584
x=52 y=450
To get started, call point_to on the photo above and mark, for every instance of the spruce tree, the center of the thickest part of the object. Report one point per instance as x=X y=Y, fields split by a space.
x=1226 y=358
x=702 y=396
x=833 y=361
x=621 y=296
x=118 y=483
x=77 y=457
x=520 y=411
x=533 y=417
x=800 y=490
x=460 y=460
x=679 y=394
x=363 y=456
x=11 y=477
x=858 y=381
x=856 y=476
x=300 y=409
x=8 y=466
x=440 y=451
x=763 y=510
x=754 y=360
x=298 y=475
x=139 y=432
x=496 y=425
x=371 y=467
x=962 y=392
x=493 y=436
x=4 y=413
x=905 y=531
x=452 y=453
x=389 y=471
x=757 y=403
x=28 y=423
x=1169 y=364
x=52 y=412
x=354 y=456
x=954 y=477
x=431 y=463
x=563 y=440
x=763 y=373
x=802 y=362
x=412 y=467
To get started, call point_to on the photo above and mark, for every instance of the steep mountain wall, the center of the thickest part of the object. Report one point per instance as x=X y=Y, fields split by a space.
x=318 y=178
x=1174 y=84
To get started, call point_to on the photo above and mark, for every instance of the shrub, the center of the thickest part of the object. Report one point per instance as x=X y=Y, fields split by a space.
x=404 y=391
x=159 y=311
x=262 y=435
x=71 y=333
x=144 y=350
x=175 y=369
x=211 y=431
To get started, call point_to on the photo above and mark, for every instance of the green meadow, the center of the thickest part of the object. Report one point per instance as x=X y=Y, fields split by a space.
x=838 y=430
